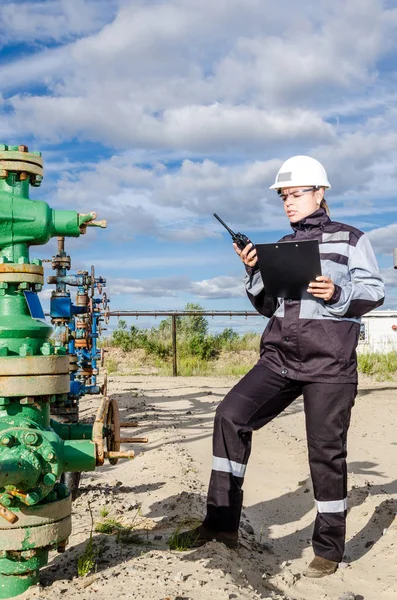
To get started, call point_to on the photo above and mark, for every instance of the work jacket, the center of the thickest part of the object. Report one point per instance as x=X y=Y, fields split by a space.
x=310 y=339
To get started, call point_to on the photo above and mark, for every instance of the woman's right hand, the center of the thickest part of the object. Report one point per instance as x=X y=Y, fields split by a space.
x=248 y=255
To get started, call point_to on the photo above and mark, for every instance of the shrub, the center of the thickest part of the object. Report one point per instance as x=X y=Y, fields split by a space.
x=382 y=366
x=111 y=365
x=192 y=337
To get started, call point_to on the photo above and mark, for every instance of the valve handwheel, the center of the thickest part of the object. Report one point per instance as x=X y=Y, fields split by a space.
x=104 y=301
x=106 y=428
x=104 y=388
x=113 y=430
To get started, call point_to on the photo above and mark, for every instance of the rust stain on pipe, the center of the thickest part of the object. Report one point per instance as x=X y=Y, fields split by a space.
x=7 y=514
x=129 y=454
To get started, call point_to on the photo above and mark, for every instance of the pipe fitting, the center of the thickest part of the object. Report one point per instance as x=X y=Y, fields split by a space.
x=7 y=440
x=49 y=456
x=32 y=498
x=31 y=438
x=49 y=479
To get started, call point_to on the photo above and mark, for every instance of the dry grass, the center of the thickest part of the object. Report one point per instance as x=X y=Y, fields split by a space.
x=139 y=362
x=381 y=367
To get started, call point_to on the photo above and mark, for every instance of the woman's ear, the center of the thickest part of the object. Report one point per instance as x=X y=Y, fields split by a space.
x=320 y=195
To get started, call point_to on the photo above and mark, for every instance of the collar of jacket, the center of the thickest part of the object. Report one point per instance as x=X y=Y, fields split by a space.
x=316 y=220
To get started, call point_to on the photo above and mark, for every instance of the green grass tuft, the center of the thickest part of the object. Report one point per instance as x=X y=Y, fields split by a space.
x=124 y=533
x=110 y=526
x=378 y=365
x=87 y=561
x=181 y=544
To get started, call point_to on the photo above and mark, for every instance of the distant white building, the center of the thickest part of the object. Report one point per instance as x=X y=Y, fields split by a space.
x=378 y=332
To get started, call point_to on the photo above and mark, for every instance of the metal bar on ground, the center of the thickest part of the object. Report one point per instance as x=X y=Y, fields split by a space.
x=183 y=313
x=174 y=359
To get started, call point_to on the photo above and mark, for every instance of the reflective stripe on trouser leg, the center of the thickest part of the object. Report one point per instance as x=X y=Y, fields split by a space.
x=225 y=496
x=328 y=409
x=228 y=466
x=333 y=506
x=252 y=403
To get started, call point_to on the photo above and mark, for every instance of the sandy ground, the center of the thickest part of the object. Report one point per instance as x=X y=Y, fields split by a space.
x=165 y=486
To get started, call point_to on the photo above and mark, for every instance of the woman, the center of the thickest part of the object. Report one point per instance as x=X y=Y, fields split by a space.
x=309 y=348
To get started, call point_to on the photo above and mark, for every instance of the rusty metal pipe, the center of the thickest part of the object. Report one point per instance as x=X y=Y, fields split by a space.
x=127 y=424
x=134 y=440
x=7 y=514
x=61 y=244
x=129 y=454
x=101 y=223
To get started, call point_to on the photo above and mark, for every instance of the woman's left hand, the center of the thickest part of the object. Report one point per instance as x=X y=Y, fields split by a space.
x=322 y=288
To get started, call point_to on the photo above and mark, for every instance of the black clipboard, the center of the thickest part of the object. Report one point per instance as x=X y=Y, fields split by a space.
x=288 y=267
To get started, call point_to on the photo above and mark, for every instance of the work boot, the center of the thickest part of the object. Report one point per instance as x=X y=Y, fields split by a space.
x=193 y=538
x=320 y=567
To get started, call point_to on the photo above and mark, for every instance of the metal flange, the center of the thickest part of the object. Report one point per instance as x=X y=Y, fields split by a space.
x=24 y=273
x=21 y=278
x=34 y=375
x=81 y=343
x=21 y=268
x=34 y=385
x=18 y=155
x=39 y=514
x=39 y=536
x=33 y=365
x=21 y=161
x=21 y=167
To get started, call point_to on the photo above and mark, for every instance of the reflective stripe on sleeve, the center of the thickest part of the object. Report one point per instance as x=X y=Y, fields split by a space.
x=228 y=466
x=332 y=506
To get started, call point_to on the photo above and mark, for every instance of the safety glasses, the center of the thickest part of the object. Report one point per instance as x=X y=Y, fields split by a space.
x=296 y=194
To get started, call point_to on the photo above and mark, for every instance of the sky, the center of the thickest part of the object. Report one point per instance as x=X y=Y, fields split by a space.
x=156 y=114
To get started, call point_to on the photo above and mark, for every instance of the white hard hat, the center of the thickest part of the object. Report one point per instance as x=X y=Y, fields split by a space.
x=301 y=170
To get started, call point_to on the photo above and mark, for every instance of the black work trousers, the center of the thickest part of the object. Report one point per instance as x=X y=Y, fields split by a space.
x=259 y=397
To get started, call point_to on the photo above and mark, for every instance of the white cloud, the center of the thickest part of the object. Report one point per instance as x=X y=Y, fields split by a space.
x=214 y=79
x=220 y=44
x=389 y=277
x=45 y=294
x=384 y=239
x=155 y=287
x=197 y=128
x=161 y=261
x=219 y=287
x=176 y=204
x=239 y=86
x=171 y=203
x=57 y=20
x=222 y=287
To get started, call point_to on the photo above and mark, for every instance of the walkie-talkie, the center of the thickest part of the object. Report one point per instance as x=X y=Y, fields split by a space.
x=238 y=238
